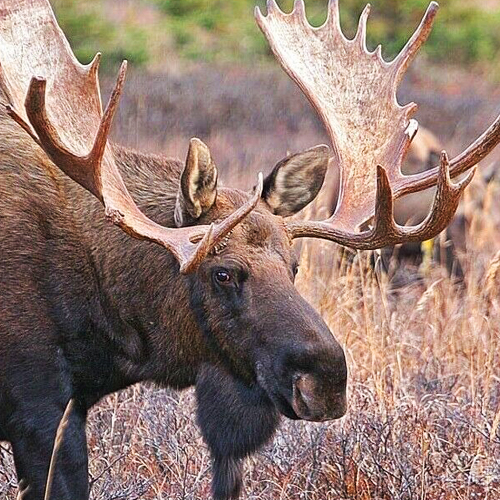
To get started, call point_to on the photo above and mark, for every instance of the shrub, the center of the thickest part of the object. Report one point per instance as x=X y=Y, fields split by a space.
x=218 y=29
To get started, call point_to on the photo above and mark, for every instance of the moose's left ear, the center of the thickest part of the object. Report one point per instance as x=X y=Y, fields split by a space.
x=198 y=184
x=296 y=180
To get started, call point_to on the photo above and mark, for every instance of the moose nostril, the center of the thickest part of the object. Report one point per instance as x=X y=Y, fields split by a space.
x=303 y=396
x=311 y=401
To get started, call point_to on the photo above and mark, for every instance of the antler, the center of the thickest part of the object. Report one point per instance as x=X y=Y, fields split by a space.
x=63 y=114
x=354 y=92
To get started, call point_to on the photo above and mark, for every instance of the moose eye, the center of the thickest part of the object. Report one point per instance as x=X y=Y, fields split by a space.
x=222 y=277
x=295 y=269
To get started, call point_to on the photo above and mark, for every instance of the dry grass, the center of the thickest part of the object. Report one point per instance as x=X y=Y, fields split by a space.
x=424 y=359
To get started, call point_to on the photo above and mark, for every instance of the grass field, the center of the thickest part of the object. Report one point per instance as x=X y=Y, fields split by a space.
x=424 y=358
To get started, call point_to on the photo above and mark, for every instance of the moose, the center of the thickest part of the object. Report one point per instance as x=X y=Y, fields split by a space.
x=423 y=153
x=118 y=266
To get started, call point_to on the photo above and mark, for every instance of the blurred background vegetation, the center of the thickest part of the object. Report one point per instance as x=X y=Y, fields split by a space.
x=152 y=32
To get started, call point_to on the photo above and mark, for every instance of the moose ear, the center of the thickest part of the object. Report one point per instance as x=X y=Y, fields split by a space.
x=198 y=184
x=296 y=180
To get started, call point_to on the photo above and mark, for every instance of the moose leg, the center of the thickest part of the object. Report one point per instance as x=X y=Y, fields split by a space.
x=37 y=388
x=33 y=444
x=235 y=420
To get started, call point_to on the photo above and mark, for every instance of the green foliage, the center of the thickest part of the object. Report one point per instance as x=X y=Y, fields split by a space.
x=222 y=29
x=466 y=35
x=462 y=32
x=213 y=29
x=89 y=32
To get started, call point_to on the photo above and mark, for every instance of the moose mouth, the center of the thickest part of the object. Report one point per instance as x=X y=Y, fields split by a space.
x=279 y=400
x=283 y=406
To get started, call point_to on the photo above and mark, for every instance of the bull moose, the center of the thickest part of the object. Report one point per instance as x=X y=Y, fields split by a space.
x=118 y=266
x=423 y=153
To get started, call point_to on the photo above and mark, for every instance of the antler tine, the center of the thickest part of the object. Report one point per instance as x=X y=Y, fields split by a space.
x=410 y=50
x=299 y=8
x=444 y=206
x=443 y=209
x=384 y=207
x=272 y=6
x=360 y=37
x=333 y=16
x=94 y=66
x=107 y=120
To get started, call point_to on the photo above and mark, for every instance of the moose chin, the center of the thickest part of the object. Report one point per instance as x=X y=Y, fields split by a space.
x=119 y=267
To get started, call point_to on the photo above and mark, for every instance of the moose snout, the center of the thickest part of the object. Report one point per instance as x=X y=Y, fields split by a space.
x=301 y=366
x=311 y=401
x=309 y=382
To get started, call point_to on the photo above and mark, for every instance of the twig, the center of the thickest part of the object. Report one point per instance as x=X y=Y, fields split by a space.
x=57 y=445
x=22 y=490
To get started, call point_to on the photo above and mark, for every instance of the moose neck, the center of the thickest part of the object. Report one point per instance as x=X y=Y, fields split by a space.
x=143 y=298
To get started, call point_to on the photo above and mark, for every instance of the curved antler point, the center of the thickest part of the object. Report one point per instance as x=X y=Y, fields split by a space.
x=465 y=182
x=361 y=32
x=333 y=12
x=272 y=7
x=444 y=180
x=299 y=8
x=433 y=6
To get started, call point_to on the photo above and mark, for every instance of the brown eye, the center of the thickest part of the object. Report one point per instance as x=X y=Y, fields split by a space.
x=222 y=277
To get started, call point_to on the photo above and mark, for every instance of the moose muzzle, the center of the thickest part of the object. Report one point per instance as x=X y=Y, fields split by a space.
x=306 y=382
x=310 y=402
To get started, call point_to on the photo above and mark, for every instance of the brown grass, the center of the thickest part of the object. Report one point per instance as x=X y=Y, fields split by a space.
x=424 y=359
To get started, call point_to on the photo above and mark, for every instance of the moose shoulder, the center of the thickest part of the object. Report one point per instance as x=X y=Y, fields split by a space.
x=193 y=286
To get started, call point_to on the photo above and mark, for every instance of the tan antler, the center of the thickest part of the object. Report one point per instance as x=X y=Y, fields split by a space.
x=63 y=114
x=354 y=92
